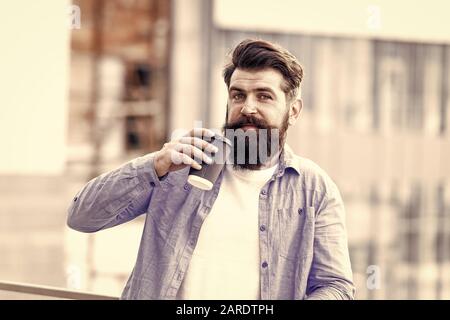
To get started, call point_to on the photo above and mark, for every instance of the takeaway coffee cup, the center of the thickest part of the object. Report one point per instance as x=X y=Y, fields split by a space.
x=206 y=177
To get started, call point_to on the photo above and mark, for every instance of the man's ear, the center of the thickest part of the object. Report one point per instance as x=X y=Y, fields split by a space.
x=294 y=111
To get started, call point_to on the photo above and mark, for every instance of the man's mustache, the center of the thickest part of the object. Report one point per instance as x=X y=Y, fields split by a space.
x=248 y=121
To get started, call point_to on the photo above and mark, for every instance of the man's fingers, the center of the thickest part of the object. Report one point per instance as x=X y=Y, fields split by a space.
x=201 y=132
x=199 y=143
x=193 y=152
x=192 y=149
x=178 y=158
x=189 y=161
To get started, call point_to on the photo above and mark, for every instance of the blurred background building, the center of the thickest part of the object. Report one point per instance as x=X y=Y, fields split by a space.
x=79 y=100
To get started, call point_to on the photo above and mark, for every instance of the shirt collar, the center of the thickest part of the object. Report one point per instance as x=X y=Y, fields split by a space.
x=288 y=160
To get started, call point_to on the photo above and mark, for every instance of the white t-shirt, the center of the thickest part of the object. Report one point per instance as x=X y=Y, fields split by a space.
x=226 y=262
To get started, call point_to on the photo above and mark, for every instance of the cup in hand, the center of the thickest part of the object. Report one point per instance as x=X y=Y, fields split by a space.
x=206 y=177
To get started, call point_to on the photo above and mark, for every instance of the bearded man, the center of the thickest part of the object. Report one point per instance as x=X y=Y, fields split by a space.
x=271 y=227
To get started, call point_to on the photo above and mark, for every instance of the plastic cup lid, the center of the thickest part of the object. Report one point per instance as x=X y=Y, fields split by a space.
x=200 y=182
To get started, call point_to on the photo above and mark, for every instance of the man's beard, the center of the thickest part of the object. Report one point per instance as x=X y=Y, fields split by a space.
x=254 y=148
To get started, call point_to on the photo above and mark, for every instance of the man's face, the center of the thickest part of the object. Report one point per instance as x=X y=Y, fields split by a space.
x=256 y=101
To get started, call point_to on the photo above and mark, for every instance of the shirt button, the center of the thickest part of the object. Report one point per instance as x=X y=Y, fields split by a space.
x=264 y=264
x=263 y=192
x=186 y=187
x=300 y=211
x=262 y=228
x=75 y=199
x=152 y=184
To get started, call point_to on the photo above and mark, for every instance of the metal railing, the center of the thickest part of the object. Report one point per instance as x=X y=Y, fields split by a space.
x=51 y=291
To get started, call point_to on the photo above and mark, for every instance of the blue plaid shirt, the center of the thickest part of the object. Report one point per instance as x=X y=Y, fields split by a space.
x=303 y=245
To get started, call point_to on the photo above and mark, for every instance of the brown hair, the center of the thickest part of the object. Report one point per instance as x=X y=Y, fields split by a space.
x=259 y=54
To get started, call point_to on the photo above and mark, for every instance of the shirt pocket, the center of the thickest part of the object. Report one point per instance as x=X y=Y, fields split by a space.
x=296 y=232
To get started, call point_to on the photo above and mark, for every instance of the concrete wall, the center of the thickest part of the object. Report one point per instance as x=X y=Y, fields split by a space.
x=190 y=74
x=417 y=20
x=33 y=85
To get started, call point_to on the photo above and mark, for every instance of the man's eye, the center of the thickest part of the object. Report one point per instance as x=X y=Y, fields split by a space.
x=238 y=96
x=265 y=97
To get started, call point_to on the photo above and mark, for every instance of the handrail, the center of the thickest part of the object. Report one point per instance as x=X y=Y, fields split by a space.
x=51 y=291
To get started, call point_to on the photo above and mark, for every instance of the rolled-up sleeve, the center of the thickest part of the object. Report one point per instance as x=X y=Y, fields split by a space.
x=114 y=197
x=330 y=276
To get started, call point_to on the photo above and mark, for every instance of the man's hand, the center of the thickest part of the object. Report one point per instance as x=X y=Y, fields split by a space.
x=185 y=151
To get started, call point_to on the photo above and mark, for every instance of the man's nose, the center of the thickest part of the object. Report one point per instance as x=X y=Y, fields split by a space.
x=249 y=108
